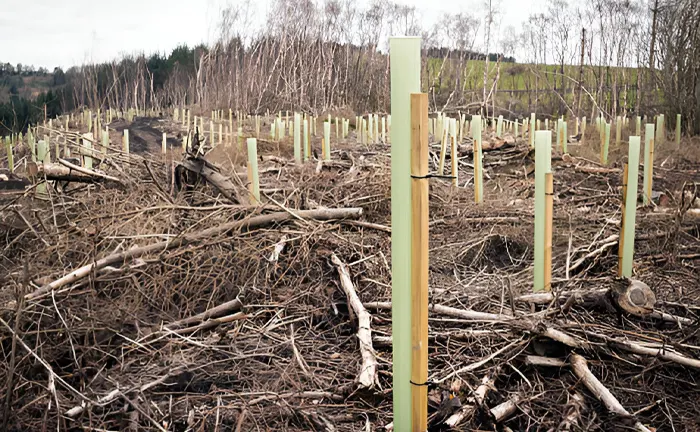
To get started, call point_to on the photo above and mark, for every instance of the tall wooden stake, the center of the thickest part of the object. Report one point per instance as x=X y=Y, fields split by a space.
x=405 y=79
x=648 y=162
x=419 y=258
x=548 y=216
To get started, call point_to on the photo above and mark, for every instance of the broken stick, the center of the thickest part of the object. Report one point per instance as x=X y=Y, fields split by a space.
x=580 y=367
x=368 y=372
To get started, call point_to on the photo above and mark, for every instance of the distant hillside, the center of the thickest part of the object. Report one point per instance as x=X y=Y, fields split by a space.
x=26 y=82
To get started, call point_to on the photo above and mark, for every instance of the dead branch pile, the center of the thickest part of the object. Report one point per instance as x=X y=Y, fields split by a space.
x=144 y=308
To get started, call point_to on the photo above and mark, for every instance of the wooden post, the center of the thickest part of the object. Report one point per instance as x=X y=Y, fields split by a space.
x=443 y=148
x=405 y=59
x=125 y=141
x=605 y=144
x=648 y=162
x=629 y=189
x=253 y=180
x=419 y=259
x=548 y=215
x=543 y=151
x=478 y=160
x=453 y=153
x=621 y=240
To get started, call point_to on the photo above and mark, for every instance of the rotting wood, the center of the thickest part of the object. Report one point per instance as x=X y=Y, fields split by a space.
x=368 y=372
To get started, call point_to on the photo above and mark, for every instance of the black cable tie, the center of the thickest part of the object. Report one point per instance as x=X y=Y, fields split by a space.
x=425 y=384
x=432 y=176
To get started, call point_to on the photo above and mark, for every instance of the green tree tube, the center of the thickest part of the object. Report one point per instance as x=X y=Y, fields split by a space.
x=405 y=79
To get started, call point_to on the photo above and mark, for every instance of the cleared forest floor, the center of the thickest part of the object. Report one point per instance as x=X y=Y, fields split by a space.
x=115 y=350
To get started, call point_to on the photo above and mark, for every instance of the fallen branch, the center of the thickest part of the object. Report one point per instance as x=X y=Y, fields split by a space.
x=246 y=224
x=449 y=311
x=533 y=360
x=661 y=352
x=217 y=311
x=212 y=175
x=368 y=372
x=624 y=298
x=580 y=367
x=487 y=383
x=506 y=409
x=71 y=173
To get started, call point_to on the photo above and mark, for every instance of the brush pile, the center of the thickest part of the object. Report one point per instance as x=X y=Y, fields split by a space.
x=140 y=305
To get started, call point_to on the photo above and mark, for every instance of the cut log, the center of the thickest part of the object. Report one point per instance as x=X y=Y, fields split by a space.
x=72 y=173
x=368 y=372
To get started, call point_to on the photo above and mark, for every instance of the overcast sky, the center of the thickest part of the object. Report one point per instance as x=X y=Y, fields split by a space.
x=64 y=33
